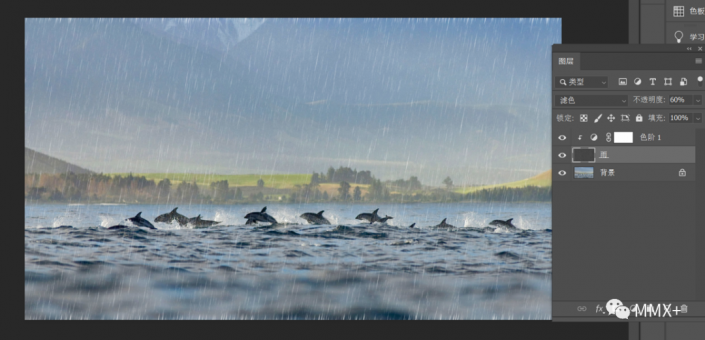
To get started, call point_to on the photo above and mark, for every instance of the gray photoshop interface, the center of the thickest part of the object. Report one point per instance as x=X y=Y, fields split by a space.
x=628 y=148
x=671 y=22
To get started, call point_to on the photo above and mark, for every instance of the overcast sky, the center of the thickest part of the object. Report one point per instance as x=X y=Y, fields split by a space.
x=426 y=97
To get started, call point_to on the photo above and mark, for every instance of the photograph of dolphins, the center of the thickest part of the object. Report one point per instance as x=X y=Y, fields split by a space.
x=141 y=222
x=288 y=168
x=171 y=217
x=316 y=218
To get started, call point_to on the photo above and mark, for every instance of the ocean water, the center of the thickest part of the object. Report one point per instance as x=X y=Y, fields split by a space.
x=347 y=270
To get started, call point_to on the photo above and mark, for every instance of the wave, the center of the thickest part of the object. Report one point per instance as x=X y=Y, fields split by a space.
x=107 y=221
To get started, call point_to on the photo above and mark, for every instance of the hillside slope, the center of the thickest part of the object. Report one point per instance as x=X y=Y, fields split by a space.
x=541 y=180
x=37 y=162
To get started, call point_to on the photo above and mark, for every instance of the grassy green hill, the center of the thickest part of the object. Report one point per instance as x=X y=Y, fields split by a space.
x=541 y=180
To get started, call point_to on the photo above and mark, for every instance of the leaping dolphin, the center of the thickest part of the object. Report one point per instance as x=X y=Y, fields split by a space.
x=172 y=216
x=373 y=217
x=139 y=221
x=261 y=216
x=314 y=218
x=384 y=219
x=198 y=222
x=443 y=224
x=504 y=224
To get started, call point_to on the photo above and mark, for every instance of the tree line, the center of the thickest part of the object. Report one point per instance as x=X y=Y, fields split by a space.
x=342 y=174
x=107 y=189
x=102 y=188
x=379 y=192
x=70 y=187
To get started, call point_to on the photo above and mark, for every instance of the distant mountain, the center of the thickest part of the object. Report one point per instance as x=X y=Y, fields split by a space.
x=37 y=162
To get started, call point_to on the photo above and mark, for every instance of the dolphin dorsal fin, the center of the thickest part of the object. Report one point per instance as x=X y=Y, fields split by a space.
x=198 y=217
x=510 y=220
x=320 y=213
x=173 y=211
x=444 y=221
x=412 y=225
x=264 y=209
x=374 y=212
x=138 y=214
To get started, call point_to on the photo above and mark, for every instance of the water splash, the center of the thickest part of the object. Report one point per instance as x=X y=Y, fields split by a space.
x=336 y=219
x=62 y=220
x=107 y=221
x=474 y=220
x=525 y=223
x=229 y=218
x=286 y=214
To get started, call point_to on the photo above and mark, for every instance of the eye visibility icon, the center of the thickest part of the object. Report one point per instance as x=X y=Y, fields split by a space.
x=562 y=155
x=562 y=137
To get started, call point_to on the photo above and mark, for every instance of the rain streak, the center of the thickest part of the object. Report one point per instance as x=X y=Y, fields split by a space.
x=288 y=168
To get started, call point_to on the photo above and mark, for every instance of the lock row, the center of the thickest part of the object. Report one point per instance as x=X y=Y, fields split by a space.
x=595 y=118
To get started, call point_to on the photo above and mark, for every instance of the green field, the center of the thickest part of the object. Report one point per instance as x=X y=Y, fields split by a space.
x=288 y=181
x=541 y=180
x=278 y=181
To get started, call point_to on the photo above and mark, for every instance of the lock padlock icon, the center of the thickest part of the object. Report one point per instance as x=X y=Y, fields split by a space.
x=639 y=118
x=681 y=173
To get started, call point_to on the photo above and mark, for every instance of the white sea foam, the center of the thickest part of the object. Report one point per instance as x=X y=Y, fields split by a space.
x=62 y=220
x=474 y=220
x=228 y=218
x=107 y=221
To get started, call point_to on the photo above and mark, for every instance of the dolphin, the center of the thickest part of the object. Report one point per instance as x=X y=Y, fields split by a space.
x=444 y=224
x=172 y=216
x=141 y=222
x=373 y=217
x=198 y=222
x=412 y=225
x=504 y=224
x=119 y=226
x=385 y=218
x=261 y=216
x=315 y=218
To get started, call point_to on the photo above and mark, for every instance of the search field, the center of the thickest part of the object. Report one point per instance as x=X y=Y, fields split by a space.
x=581 y=82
